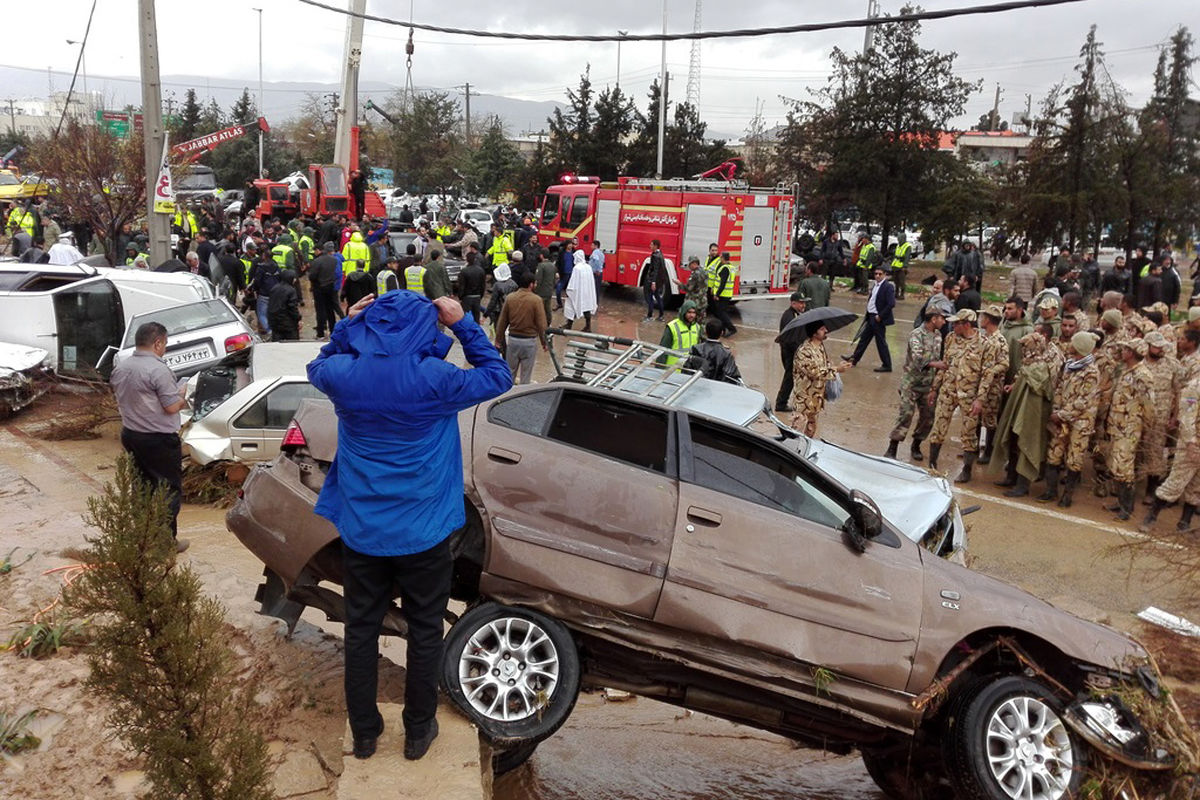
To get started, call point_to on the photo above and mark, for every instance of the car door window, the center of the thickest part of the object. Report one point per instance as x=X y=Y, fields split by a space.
x=528 y=413
x=276 y=408
x=579 y=210
x=739 y=466
x=621 y=431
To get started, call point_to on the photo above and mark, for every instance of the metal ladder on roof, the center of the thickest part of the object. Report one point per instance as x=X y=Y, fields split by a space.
x=630 y=366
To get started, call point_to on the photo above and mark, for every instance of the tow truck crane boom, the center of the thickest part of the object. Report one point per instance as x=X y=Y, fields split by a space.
x=191 y=150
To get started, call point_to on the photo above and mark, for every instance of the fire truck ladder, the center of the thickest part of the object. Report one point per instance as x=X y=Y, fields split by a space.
x=684 y=185
x=622 y=365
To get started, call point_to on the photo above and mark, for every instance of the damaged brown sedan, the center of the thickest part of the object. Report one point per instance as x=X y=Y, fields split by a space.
x=614 y=541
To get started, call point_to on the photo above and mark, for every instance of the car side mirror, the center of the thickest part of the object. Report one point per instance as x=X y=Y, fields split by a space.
x=865 y=523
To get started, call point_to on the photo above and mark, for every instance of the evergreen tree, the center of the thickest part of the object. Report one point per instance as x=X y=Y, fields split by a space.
x=1176 y=173
x=613 y=122
x=428 y=152
x=570 y=131
x=869 y=138
x=189 y=119
x=496 y=164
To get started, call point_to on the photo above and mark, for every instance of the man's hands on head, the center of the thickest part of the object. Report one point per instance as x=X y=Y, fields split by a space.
x=360 y=306
x=449 y=310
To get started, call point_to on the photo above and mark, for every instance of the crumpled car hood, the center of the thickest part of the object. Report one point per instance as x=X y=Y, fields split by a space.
x=910 y=498
x=19 y=357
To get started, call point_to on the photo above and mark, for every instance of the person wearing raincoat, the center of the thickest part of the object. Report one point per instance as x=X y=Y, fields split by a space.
x=394 y=489
x=581 y=293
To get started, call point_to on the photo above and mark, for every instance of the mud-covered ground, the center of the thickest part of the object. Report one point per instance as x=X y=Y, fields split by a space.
x=633 y=749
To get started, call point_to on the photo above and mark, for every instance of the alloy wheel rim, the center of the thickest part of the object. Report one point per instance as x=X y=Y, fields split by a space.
x=509 y=669
x=1029 y=750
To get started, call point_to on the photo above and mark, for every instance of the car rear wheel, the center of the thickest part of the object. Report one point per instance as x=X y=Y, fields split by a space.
x=514 y=672
x=1007 y=740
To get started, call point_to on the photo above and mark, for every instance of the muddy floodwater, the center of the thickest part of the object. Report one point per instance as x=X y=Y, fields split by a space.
x=643 y=750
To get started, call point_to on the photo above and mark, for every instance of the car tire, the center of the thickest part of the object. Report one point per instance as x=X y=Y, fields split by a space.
x=904 y=775
x=512 y=671
x=507 y=760
x=1009 y=730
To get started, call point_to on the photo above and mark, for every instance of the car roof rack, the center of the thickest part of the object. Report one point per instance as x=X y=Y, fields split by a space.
x=630 y=366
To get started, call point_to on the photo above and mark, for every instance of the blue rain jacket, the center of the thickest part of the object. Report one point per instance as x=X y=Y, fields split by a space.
x=396 y=484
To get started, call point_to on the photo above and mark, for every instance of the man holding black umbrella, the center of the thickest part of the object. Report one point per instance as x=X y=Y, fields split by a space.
x=879 y=317
x=811 y=369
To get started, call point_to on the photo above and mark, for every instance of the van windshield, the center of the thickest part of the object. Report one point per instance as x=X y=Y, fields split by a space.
x=197 y=181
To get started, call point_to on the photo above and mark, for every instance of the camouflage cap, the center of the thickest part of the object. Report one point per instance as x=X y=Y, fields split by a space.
x=1155 y=339
x=995 y=311
x=1113 y=317
x=1136 y=345
x=1049 y=301
x=1193 y=313
x=965 y=315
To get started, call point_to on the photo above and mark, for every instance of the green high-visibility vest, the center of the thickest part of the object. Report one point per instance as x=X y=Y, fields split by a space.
x=898 y=256
x=279 y=254
x=728 y=290
x=683 y=336
x=866 y=255
x=355 y=256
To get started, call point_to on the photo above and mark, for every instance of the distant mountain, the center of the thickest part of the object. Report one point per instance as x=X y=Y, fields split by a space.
x=283 y=98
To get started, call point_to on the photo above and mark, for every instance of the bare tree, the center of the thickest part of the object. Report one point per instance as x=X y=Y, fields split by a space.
x=97 y=178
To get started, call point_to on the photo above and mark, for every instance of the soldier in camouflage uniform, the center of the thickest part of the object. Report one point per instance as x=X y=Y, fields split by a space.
x=1072 y=418
x=1068 y=327
x=921 y=363
x=1132 y=401
x=1167 y=383
x=995 y=367
x=1108 y=361
x=959 y=389
x=1184 y=480
x=1189 y=355
x=696 y=290
x=811 y=370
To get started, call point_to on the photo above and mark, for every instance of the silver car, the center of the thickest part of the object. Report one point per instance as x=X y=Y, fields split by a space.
x=199 y=335
x=242 y=413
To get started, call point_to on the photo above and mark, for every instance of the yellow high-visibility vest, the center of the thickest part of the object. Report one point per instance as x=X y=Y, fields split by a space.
x=355 y=256
x=414 y=279
x=683 y=336
x=898 y=256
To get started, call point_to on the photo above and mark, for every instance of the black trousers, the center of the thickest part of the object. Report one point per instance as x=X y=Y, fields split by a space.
x=325 y=303
x=472 y=304
x=159 y=459
x=721 y=312
x=423 y=582
x=878 y=332
x=787 y=354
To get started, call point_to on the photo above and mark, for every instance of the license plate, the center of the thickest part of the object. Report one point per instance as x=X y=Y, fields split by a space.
x=191 y=355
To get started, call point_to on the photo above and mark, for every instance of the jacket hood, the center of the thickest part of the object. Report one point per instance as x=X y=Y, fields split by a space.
x=356 y=237
x=288 y=276
x=688 y=305
x=580 y=258
x=286 y=238
x=400 y=321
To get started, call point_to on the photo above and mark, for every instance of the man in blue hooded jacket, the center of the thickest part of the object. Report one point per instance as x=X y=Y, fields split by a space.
x=395 y=491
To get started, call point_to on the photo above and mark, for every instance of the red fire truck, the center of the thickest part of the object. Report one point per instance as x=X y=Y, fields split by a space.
x=753 y=225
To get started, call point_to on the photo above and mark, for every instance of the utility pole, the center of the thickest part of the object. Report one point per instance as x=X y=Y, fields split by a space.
x=1028 y=113
x=622 y=34
x=662 y=98
x=869 y=35
x=995 y=120
x=466 y=87
x=260 y=92
x=152 y=127
x=12 y=118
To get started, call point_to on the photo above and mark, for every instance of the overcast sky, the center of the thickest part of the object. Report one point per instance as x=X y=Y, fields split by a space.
x=1024 y=51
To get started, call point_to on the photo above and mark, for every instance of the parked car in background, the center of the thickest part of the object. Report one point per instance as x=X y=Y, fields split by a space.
x=78 y=312
x=241 y=413
x=199 y=335
x=25 y=375
x=720 y=570
x=400 y=240
x=477 y=218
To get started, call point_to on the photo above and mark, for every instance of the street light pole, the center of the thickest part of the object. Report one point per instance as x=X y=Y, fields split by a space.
x=83 y=56
x=260 y=93
x=662 y=97
x=621 y=34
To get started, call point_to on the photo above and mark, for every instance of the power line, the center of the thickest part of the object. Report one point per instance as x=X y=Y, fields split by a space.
x=812 y=27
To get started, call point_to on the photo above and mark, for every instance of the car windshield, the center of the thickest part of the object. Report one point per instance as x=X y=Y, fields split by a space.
x=8 y=179
x=195 y=181
x=181 y=319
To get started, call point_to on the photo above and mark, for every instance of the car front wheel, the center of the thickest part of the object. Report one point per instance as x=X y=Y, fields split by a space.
x=514 y=672
x=1008 y=741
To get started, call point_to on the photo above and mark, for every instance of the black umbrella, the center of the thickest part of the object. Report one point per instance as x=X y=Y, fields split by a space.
x=832 y=318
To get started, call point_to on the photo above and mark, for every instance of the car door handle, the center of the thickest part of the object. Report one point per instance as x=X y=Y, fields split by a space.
x=703 y=516
x=503 y=456
x=249 y=446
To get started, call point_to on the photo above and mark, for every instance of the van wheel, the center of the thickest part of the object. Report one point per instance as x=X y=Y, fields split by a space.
x=1007 y=740
x=513 y=672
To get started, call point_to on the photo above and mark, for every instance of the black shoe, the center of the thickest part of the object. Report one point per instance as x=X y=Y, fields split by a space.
x=848 y=358
x=364 y=746
x=416 y=748
x=882 y=369
x=1020 y=489
x=730 y=332
x=914 y=452
x=660 y=317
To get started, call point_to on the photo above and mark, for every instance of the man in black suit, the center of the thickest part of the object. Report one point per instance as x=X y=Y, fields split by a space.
x=879 y=317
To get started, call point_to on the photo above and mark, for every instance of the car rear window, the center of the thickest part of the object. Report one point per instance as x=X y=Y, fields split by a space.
x=743 y=468
x=181 y=319
x=623 y=432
